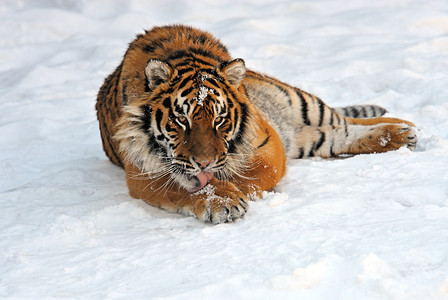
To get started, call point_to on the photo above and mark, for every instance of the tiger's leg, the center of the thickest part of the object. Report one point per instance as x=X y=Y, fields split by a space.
x=374 y=137
x=218 y=202
x=387 y=134
x=266 y=167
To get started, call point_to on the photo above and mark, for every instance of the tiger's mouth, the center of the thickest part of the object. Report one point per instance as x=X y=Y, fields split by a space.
x=202 y=179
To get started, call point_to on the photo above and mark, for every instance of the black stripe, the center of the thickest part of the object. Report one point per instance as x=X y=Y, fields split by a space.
x=146 y=117
x=242 y=128
x=147 y=89
x=205 y=53
x=170 y=90
x=264 y=142
x=235 y=117
x=363 y=112
x=331 y=150
x=311 y=153
x=304 y=108
x=186 y=92
x=221 y=160
x=192 y=59
x=226 y=128
x=181 y=72
x=321 y=111
x=301 y=153
x=109 y=88
x=179 y=54
x=321 y=141
x=284 y=91
x=345 y=128
x=372 y=110
x=213 y=83
x=213 y=74
x=152 y=144
x=339 y=119
x=184 y=83
x=174 y=146
x=188 y=61
x=179 y=109
x=201 y=39
x=196 y=112
x=106 y=139
x=167 y=102
x=151 y=47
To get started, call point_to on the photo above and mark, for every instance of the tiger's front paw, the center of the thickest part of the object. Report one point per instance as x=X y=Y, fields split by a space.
x=223 y=203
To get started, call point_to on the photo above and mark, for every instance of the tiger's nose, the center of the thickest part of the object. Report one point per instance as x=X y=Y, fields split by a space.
x=203 y=164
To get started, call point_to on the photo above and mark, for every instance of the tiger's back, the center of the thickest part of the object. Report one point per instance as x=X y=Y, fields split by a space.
x=289 y=110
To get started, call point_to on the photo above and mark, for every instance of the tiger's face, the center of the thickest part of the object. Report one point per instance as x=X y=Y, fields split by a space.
x=191 y=125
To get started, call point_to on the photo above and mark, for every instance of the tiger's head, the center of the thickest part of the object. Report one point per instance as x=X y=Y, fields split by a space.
x=191 y=123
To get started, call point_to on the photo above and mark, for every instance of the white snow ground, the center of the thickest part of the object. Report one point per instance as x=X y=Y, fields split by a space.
x=367 y=227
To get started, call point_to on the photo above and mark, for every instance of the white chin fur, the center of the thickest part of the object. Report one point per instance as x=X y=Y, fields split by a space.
x=188 y=183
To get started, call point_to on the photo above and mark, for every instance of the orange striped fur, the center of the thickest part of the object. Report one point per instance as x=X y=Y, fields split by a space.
x=199 y=134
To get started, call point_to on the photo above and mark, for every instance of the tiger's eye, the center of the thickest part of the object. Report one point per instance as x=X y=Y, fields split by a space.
x=182 y=119
x=218 y=120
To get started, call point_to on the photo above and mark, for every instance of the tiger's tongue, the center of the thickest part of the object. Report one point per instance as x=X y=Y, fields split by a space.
x=204 y=178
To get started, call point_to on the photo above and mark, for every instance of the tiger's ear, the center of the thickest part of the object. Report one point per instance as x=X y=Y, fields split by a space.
x=234 y=71
x=157 y=72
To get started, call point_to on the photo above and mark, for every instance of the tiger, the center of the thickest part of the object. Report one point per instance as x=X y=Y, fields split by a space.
x=197 y=133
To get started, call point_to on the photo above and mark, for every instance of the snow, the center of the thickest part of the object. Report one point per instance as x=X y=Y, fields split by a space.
x=365 y=227
x=203 y=93
x=203 y=90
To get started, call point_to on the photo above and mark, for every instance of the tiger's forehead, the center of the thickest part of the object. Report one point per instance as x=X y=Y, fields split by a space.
x=204 y=101
x=200 y=91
